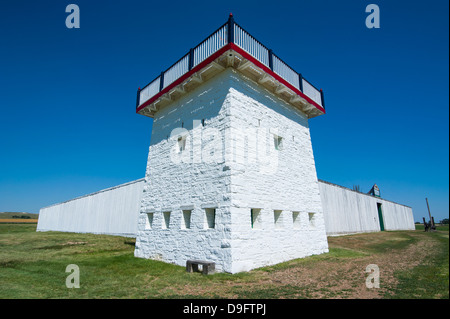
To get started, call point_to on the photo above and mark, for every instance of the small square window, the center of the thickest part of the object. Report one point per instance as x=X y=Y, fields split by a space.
x=312 y=219
x=186 y=224
x=148 y=221
x=296 y=220
x=278 y=219
x=166 y=221
x=255 y=215
x=278 y=142
x=210 y=218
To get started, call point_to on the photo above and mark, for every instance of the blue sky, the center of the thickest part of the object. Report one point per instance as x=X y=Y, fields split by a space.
x=68 y=125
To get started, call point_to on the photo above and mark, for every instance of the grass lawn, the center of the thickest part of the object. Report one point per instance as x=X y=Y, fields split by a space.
x=413 y=264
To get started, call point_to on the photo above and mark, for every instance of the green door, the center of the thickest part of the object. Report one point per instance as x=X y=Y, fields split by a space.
x=380 y=216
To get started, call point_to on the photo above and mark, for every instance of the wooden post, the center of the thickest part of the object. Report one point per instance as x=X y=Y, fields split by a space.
x=429 y=213
x=300 y=81
x=191 y=59
x=231 y=29
x=161 y=81
x=138 y=97
x=271 y=60
x=425 y=224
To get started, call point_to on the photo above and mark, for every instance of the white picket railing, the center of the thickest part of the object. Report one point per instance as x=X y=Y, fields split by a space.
x=227 y=33
x=312 y=92
x=149 y=91
x=250 y=45
x=283 y=70
x=212 y=44
x=176 y=70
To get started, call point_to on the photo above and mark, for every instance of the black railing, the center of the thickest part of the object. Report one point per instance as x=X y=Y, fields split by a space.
x=230 y=32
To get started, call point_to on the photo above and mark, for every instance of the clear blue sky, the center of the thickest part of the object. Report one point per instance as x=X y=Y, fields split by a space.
x=67 y=96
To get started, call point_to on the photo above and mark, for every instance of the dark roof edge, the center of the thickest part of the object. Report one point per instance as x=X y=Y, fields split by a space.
x=349 y=189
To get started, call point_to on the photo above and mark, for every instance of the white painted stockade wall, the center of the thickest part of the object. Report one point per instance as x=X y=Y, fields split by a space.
x=347 y=211
x=113 y=211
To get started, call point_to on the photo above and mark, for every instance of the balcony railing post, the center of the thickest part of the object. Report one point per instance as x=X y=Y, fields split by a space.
x=300 y=82
x=161 y=81
x=323 y=101
x=191 y=59
x=271 y=60
x=138 y=97
x=231 y=29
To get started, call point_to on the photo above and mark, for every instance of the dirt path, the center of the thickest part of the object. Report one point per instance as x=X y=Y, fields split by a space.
x=331 y=276
x=346 y=277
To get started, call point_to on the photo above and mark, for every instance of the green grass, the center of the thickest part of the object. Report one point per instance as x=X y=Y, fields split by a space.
x=32 y=265
x=439 y=227
x=430 y=280
x=399 y=242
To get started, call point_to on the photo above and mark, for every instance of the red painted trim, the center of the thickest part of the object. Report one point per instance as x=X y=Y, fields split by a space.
x=197 y=68
x=214 y=56
x=273 y=74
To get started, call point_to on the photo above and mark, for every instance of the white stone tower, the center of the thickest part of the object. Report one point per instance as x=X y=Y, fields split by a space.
x=230 y=175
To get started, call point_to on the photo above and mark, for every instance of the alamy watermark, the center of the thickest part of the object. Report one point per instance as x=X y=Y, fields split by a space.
x=373 y=19
x=73 y=19
x=254 y=147
x=373 y=278
x=73 y=280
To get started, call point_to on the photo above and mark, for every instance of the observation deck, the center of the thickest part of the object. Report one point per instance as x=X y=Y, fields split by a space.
x=230 y=46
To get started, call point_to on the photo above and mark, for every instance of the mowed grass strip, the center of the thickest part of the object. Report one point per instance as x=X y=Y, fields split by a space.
x=430 y=279
x=33 y=264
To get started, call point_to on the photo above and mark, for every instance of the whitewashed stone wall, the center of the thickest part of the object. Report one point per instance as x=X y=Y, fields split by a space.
x=184 y=181
x=347 y=211
x=241 y=120
x=282 y=183
x=113 y=211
